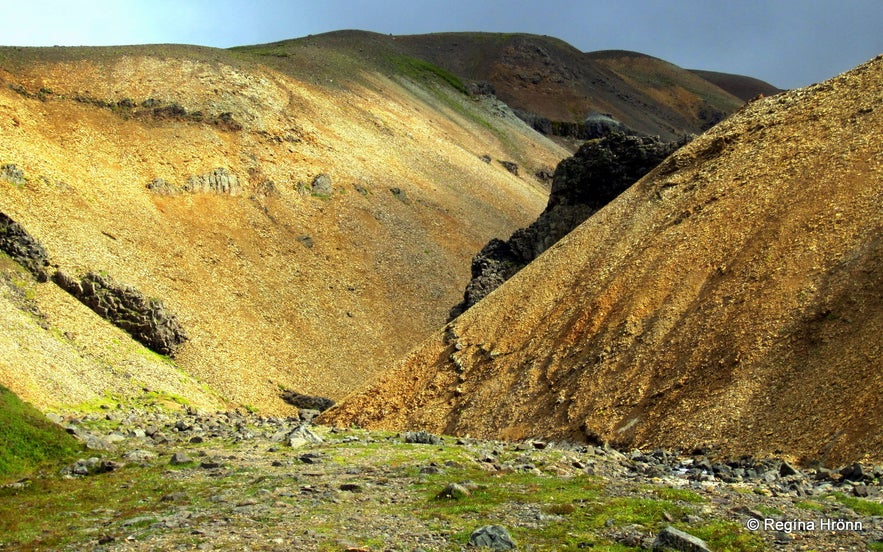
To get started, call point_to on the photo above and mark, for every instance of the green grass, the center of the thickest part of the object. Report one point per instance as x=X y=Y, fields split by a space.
x=28 y=439
x=420 y=69
x=858 y=505
x=55 y=506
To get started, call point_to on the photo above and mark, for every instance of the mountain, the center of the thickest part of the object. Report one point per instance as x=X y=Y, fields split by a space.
x=551 y=80
x=744 y=88
x=303 y=214
x=730 y=301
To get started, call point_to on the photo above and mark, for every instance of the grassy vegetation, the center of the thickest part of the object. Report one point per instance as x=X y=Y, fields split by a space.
x=27 y=438
x=858 y=505
x=420 y=69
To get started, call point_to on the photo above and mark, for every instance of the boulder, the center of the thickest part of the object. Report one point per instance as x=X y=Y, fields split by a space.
x=495 y=537
x=322 y=186
x=677 y=540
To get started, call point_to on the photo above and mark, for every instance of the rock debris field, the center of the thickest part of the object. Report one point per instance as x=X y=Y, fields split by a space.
x=155 y=480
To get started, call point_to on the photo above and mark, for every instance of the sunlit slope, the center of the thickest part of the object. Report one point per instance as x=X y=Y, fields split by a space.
x=731 y=299
x=277 y=284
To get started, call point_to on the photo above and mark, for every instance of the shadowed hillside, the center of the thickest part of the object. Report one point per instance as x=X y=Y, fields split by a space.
x=553 y=80
x=731 y=300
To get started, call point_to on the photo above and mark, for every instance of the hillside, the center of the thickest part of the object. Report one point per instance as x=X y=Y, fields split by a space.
x=194 y=175
x=744 y=88
x=731 y=301
x=553 y=80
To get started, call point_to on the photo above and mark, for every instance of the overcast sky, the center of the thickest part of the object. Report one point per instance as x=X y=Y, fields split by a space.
x=788 y=43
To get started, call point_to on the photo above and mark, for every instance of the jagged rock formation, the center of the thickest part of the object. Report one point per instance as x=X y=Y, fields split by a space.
x=147 y=320
x=23 y=248
x=308 y=402
x=220 y=181
x=731 y=300
x=598 y=172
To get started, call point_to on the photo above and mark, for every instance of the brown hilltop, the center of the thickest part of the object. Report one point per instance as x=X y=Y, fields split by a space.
x=276 y=287
x=550 y=78
x=732 y=298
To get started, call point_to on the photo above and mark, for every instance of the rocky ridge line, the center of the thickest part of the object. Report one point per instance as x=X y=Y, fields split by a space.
x=581 y=185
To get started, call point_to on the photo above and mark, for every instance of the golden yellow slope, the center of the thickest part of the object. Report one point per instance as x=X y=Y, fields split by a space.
x=263 y=309
x=731 y=299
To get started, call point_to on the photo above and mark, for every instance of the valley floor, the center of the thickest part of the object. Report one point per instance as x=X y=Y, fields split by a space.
x=237 y=481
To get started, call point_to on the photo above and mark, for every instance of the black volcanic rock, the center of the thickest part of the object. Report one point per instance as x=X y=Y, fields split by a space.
x=23 y=248
x=582 y=184
x=146 y=320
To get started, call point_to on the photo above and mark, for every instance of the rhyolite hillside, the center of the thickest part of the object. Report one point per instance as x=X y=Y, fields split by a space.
x=729 y=301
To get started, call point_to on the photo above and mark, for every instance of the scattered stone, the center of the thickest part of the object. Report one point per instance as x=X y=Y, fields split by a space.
x=787 y=469
x=161 y=187
x=361 y=189
x=495 y=537
x=486 y=158
x=301 y=436
x=510 y=166
x=399 y=194
x=12 y=174
x=453 y=491
x=544 y=175
x=352 y=487
x=423 y=438
x=322 y=186
x=855 y=472
x=180 y=458
x=23 y=248
x=677 y=540
x=307 y=242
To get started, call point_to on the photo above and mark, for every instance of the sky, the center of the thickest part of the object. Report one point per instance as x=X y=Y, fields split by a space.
x=788 y=43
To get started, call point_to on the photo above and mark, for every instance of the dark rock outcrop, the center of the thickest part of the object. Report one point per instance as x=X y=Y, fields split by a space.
x=510 y=166
x=23 y=248
x=308 y=402
x=598 y=172
x=595 y=125
x=146 y=320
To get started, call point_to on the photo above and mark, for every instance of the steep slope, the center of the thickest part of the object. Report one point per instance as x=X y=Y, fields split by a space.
x=193 y=174
x=731 y=299
x=27 y=438
x=553 y=80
